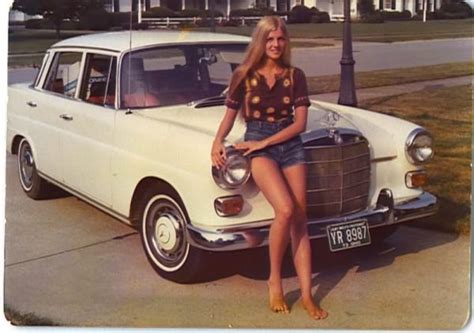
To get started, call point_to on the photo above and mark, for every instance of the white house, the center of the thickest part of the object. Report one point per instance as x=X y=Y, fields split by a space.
x=333 y=7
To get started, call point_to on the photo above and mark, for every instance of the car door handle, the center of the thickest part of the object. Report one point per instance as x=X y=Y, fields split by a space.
x=66 y=117
x=32 y=104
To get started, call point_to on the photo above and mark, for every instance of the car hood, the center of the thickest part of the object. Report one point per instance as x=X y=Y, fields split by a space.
x=321 y=117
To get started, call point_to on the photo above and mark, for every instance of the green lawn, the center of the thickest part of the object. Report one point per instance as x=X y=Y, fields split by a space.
x=387 y=32
x=447 y=114
x=386 y=77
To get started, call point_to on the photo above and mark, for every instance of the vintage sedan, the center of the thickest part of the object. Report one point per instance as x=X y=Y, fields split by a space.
x=125 y=121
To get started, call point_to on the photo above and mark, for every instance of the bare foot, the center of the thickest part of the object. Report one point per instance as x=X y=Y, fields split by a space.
x=313 y=310
x=277 y=300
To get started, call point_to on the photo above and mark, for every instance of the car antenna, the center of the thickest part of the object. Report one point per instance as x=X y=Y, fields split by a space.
x=129 y=111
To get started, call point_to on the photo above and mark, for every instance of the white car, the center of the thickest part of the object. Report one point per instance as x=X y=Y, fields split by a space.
x=126 y=122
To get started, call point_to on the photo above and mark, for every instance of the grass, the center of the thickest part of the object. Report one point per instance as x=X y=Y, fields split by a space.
x=382 y=32
x=446 y=113
x=31 y=41
x=380 y=78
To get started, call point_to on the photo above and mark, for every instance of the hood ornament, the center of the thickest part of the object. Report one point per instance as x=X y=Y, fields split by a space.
x=329 y=121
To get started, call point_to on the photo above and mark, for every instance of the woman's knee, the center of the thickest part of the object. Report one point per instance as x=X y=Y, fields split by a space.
x=285 y=212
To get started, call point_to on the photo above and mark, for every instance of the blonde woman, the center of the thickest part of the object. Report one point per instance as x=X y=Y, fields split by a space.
x=272 y=97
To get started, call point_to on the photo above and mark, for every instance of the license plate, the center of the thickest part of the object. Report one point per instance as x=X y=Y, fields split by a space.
x=348 y=235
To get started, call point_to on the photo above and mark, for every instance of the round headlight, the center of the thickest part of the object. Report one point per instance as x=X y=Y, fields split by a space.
x=235 y=172
x=419 y=146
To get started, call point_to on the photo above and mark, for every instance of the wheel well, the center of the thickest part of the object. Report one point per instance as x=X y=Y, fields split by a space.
x=144 y=187
x=16 y=144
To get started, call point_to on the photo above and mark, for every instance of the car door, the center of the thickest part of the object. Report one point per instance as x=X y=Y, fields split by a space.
x=88 y=126
x=44 y=125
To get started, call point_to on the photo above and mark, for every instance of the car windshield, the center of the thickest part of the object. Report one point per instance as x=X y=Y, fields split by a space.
x=177 y=75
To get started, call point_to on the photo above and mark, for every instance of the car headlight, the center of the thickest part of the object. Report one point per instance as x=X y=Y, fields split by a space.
x=419 y=146
x=235 y=172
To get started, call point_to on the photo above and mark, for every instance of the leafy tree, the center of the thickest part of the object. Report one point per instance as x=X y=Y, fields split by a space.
x=57 y=10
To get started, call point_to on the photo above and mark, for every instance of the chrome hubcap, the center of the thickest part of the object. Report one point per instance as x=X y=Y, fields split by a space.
x=27 y=165
x=164 y=232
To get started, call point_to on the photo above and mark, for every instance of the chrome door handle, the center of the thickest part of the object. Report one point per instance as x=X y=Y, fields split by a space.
x=66 y=117
x=32 y=104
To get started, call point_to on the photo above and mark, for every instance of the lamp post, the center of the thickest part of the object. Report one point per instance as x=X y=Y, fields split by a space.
x=213 y=21
x=347 y=94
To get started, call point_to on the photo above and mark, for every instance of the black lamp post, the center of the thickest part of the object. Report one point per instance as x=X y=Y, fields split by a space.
x=347 y=94
x=213 y=21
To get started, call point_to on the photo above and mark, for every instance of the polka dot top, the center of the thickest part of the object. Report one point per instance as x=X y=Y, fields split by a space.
x=260 y=102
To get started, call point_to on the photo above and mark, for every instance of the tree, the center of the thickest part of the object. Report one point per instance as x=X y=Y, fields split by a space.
x=57 y=10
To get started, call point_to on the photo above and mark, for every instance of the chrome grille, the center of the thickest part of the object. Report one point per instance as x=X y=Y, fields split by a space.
x=338 y=176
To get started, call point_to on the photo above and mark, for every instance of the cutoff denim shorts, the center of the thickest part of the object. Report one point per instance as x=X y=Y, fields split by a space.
x=285 y=154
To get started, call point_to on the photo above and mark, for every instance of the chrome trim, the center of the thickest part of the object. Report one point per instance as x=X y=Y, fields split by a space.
x=256 y=234
x=411 y=138
x=91 y=201
x=323 y=133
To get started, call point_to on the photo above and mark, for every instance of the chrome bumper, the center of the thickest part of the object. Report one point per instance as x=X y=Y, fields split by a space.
x=256 y=234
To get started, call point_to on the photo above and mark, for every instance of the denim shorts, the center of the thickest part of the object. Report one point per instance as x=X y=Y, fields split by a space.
x=285 y=154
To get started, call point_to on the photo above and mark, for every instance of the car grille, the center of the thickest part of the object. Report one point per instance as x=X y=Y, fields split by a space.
x=338 y=176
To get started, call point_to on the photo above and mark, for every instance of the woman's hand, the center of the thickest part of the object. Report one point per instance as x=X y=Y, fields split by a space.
x=250 y=146
x=218 y=155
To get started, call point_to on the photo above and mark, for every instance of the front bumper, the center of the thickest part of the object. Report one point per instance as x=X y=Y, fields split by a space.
x=255 y=234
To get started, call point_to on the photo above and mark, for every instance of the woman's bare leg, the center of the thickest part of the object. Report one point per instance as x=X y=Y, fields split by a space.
x=270 y=180
x=296 y=180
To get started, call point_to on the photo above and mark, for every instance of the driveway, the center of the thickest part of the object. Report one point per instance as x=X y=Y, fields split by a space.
x=68 y=262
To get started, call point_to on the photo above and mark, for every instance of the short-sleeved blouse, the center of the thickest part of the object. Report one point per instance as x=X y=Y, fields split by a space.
x=259 y=102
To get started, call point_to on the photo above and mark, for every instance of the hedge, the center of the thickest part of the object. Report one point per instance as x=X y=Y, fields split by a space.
x=395 y=15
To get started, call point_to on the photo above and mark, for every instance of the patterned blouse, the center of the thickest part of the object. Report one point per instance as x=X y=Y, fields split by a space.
x=259 y=102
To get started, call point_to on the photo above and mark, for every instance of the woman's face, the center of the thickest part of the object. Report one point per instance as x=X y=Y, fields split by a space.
x=276 y=43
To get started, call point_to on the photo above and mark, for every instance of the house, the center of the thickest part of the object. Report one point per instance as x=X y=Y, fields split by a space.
x=333 y=7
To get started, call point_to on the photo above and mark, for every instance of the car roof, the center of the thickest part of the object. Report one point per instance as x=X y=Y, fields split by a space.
x=119 y=41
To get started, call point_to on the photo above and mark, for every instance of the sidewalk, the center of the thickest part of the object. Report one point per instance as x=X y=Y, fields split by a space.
x=367 y=93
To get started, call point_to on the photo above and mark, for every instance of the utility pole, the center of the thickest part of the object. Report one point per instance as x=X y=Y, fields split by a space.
x=213 y=19
x=347 y=94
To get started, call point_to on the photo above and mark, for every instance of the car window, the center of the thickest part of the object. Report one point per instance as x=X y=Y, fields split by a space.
x=41 y=69
x=98 y=85
x=63 y=74
x=176 y=75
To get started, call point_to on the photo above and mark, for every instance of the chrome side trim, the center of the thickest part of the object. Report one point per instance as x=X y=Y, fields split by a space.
x=256 y=234
x=87 y=199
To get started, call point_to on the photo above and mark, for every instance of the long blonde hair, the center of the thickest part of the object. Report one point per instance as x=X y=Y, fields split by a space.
x=255 y=54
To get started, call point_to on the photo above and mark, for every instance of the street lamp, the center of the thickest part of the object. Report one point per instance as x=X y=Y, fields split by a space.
x=213 y=21
x=347 y=94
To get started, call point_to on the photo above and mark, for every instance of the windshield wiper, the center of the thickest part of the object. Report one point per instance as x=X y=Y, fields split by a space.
x=208 y=101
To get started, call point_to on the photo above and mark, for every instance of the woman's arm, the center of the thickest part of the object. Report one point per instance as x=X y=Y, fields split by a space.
x=299 y=126
x=218 y=155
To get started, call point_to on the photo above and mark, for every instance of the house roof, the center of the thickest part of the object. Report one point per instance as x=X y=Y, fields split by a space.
x=120 y=40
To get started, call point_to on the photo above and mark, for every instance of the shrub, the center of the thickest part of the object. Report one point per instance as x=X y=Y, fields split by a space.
x=396 y=16
x=33 y=24
x=121 y=19
x=70 y=25
x=457 y=8
x=320 y=17
x=251 y=12
x=191 y=13
x=95 y=19
x=375 y=17
x=300 y=14
x=159 y=12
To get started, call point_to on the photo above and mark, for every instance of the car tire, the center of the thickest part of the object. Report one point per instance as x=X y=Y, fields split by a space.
x=164 y=238
x=32 y=184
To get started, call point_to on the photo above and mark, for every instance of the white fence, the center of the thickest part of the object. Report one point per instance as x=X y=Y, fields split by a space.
x=174 y=21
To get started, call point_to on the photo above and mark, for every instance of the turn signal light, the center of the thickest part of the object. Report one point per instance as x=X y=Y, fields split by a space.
x=416 y=179
x=229 y=206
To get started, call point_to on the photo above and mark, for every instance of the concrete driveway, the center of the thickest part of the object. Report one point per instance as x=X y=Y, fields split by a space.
x=68 y=262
